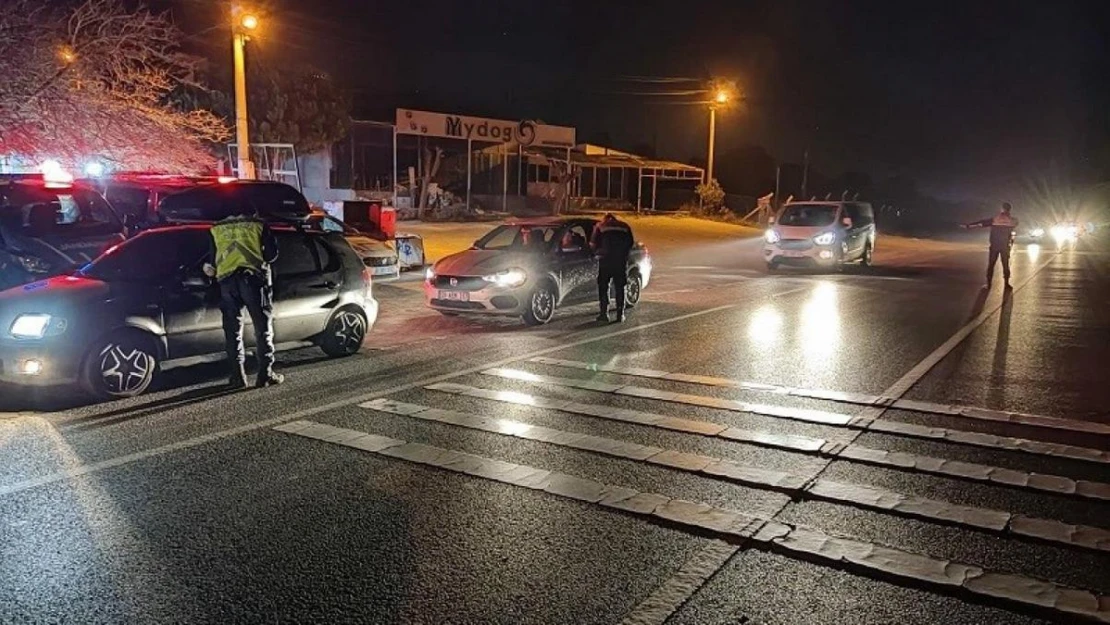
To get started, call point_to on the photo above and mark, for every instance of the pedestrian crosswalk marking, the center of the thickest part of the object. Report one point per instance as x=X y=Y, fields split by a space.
x=793 y=484
x=969 y=412
x=1053 y=484
x=797 y=541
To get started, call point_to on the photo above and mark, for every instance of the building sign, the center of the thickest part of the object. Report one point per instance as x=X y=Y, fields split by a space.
x=527 y=133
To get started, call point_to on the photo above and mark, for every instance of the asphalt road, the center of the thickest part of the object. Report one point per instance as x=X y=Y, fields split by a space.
x=895 y=445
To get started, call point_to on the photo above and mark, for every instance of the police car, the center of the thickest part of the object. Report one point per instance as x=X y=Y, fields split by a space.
x=51 y=227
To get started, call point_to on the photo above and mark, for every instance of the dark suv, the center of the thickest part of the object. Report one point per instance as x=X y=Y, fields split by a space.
x=145 y=305
x=47 y=229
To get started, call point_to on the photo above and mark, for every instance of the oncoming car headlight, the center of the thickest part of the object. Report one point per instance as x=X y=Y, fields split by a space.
x=430 y=274
x=825 y=238
x=509 y=277
x=36 y=326
x=771 y=236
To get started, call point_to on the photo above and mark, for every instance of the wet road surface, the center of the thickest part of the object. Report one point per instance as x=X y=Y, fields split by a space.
x=886 y=446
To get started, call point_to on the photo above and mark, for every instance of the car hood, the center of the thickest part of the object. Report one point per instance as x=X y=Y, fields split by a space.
x=366 y=247
x=62 y=295
x=483 y=262
x=801 y=232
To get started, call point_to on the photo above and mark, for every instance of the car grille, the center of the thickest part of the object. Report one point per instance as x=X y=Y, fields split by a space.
x=380 y=261
x=799 y=245
x=462 y=283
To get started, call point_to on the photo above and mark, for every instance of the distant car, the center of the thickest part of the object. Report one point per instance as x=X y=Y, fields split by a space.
x=380 y=257
x=527 y=269
x=146 y=305
x=49 y=228
x=821 y=234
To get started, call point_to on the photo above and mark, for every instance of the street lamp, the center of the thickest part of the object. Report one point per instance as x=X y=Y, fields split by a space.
x=722 y=96
x=243 y=24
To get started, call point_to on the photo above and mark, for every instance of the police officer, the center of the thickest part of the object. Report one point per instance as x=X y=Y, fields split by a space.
x=243 y=248
x=1002 y=228
x=611 y=242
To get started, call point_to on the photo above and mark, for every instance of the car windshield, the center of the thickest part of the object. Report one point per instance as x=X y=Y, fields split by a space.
x=808 y=215
x=518 y=238
x=63 y=212
x=154 y=257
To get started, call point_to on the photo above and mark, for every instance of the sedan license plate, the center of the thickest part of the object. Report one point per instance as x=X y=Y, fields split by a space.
x=793 y=254
x=454 y=296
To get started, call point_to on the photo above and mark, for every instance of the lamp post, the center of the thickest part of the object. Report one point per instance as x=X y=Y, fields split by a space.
x=720 y=98
x=242 y=24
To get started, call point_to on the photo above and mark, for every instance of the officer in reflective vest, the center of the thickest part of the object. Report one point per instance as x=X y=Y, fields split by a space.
x=1002 y=228
x=612 y=243
x=243 y=249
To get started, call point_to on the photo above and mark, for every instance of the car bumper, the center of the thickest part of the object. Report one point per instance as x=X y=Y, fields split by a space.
x=35 y=363
x=814 y=256
x=490 y=300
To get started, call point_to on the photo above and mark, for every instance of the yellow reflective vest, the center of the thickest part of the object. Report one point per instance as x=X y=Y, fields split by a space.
x=238 y=246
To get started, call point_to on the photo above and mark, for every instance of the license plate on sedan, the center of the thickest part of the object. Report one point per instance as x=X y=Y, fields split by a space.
x=454 y=296
x=793 y=254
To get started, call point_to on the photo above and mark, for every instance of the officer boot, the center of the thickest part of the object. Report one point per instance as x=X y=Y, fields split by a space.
x=620 y=304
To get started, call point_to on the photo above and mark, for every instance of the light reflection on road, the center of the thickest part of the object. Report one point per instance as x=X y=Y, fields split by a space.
x=819 y=327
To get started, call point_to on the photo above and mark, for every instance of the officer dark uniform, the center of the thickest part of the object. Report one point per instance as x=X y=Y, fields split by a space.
x=611 y=242
x=1002 y=228
x=243 y=248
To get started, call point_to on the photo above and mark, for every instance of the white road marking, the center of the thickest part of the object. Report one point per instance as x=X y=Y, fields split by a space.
x=862 y=399
x=792 y=540
x=1054 y=484
x=93 y=467
x=796 y=485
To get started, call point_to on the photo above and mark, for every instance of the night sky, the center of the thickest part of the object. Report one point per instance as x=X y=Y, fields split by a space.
x=971 y=99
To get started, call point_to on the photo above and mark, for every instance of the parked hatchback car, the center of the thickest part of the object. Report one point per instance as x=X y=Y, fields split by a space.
x=49 y=228
x=145 y=305
x=380 y=257
x=821 y=234
x=527 y=269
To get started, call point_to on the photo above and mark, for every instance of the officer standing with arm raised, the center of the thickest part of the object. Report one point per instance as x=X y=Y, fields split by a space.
x=242 y=248
x=1002 y=228
x=612 y=243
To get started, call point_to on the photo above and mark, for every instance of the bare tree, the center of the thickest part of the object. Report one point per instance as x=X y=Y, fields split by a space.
x=100 y=80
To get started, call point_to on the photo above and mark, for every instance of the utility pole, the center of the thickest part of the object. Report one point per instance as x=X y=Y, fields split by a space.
x=712 y=142
x=242 y=22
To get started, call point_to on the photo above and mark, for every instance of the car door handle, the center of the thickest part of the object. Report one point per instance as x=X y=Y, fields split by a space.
x=328 y=284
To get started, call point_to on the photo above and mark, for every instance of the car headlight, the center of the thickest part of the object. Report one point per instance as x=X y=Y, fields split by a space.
x=33 y=264
x=430 y=274
x=771 y=236
x=825 y=238
x=509 y=277
x=36 y=326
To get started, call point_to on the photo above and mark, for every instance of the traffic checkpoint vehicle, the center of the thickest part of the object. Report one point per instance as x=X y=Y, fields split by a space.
x=821 y=234
x=50 y=225
x=527 y=269
x=380 y=257
x=145 y=305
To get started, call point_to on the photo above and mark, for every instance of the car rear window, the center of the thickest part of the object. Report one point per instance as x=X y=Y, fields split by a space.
x=66 y=212
x=215 y=202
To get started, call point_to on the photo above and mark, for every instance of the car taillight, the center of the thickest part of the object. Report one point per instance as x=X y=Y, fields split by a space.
x=367 y=279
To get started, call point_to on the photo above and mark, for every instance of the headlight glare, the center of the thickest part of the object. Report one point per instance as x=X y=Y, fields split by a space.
x=509 y=277
x=36 y=326
x=825 y=238
x=430 y=274
x=771 y=236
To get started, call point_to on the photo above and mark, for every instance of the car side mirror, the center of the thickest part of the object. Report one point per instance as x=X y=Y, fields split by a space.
x=771 y=220
x=847 y=221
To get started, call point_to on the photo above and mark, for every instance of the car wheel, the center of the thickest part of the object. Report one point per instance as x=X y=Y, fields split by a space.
x=633 y=289
x=344 y=334
x=772 y=265
x=541 y=305
x=120 y=365
x=867 y=259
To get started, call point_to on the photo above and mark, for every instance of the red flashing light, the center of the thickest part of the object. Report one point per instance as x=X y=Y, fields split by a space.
x=226 y=179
